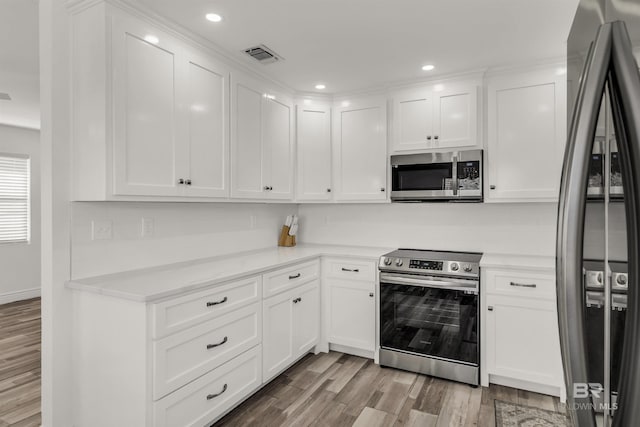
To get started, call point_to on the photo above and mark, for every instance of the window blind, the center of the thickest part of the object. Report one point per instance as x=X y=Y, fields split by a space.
x=14 y=198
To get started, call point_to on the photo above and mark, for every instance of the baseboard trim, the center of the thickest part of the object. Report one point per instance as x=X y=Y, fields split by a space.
x=352 y=350
x=527 y=385
x=19 y=295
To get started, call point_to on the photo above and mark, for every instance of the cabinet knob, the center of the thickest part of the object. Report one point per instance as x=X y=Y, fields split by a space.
x=328 y=190
x=267 y=188
x=382 y=189
x=187 y=181
x=492 y=187
x=181 y=181
x=490 y=308
x=435 y=137
x=371 y=294
x=428 y=137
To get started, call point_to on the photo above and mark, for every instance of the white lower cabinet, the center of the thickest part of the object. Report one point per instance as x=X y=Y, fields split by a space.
x=290 y=327
x=352 y=315
x=350 y=305
x=210 y=396
x=522 y=345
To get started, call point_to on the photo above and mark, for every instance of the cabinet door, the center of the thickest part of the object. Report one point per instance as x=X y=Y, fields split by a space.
x=413 y=120
x=277 y=334
x=277 y=147
x=306 y=318
x=246 y=139
x=314 y=153
x=206 y=112
x=456 y=117
x=145 y=86
x=526 y=135
x=360 y=150
x=352 y=314
x=522 y=340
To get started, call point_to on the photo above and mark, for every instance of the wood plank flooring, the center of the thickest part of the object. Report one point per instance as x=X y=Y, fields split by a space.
x=20 y=363
x=336 y=390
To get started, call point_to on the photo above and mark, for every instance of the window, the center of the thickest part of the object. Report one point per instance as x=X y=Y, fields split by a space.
x=14 y=198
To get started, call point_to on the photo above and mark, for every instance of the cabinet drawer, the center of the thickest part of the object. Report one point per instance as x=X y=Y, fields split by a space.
x=290 y=277
x=180 y=313
x=211 y=395
x=521 y=283
x=185 y=356
x=351 y=270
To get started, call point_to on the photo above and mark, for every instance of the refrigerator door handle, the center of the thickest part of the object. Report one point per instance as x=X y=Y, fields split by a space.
x=571 y=221
x=624 y=86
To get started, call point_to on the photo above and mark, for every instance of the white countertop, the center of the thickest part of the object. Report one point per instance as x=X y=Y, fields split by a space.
x=532 y=262
x=152 y=284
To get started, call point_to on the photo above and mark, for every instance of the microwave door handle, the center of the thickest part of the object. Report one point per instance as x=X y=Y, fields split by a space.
x=571 y=220
x=624 y=85
x=454 y=173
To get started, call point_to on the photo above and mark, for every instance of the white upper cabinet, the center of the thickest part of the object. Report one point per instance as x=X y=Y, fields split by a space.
x=526 y=135
x=413 y=120
x=261 y=141
x=360 y=150
x=314 y=153
x=146 y=118
x=150 y=113
x=207 y=127
x=437 y=116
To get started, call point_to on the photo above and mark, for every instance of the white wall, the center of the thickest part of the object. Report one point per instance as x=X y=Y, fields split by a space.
x=528 y=229
x=20 y=262
x=182 y=231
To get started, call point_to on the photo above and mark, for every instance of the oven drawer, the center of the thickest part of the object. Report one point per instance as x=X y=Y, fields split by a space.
x=210 y=396
x=351 y=270
x=521 y=283
x=179 y=313
x=287 y=278
x=182 y=357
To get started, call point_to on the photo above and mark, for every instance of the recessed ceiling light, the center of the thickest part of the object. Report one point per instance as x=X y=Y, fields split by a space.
x=428 y=67
x=213 y=17
x=151 y=39
x=320 y=86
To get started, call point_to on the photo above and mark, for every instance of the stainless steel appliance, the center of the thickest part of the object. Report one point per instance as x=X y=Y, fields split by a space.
x=600 y=339
x=453 y=176
x=429 y=318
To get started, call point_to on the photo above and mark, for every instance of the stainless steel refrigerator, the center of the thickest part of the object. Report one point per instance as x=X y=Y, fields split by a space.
x=598 y=244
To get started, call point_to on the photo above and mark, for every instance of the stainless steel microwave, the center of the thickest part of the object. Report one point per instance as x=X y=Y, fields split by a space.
x=451 y=176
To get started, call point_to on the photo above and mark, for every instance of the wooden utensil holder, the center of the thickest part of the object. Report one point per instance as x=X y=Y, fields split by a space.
x=286 y=240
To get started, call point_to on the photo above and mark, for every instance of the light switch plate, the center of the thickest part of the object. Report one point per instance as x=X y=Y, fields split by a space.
x=148 y=227
x=101 y=230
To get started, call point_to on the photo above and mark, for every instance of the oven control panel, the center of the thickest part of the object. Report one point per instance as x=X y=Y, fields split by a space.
x=426 y=265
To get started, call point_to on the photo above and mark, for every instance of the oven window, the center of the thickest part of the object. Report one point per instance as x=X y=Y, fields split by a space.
x=423 y=177
x=433 y=322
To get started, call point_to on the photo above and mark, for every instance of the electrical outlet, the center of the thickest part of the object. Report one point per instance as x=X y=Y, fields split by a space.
x=101 y=230
x=148 y=227
x=253 y=220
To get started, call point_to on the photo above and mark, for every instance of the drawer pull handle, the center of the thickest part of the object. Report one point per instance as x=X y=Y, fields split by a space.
x=295 y=276
x=210 y=346
x=222 y=301
x=353 y=270
x=524 y=285
x=371 y=294
x=297 y=300
x=213 y=396
x=490 y=308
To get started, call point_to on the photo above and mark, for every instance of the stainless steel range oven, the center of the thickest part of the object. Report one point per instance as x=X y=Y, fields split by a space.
x=429 y=313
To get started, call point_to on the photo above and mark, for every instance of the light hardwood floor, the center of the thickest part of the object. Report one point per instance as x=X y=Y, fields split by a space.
x=335 y=389
x=20 y=363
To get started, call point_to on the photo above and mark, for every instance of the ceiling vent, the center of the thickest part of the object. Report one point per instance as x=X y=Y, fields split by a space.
x=263 y=54
x=4 y=96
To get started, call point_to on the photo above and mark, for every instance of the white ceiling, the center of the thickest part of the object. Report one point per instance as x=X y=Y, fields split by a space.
x=19 y=73
x=356 y=44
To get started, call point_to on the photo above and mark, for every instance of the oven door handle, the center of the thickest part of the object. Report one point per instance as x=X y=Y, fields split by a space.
x=448 y=284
